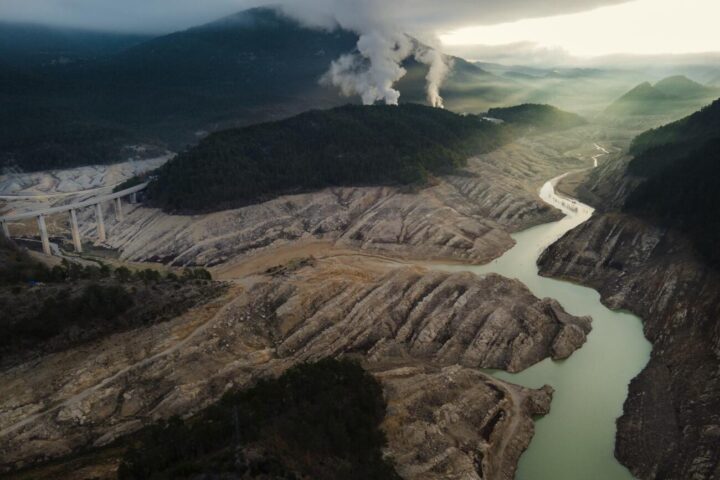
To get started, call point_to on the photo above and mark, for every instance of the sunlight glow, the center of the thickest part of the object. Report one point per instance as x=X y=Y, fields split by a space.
x=640 y=27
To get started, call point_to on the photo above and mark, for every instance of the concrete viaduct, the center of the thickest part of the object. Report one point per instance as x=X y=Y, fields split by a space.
x=96 y=202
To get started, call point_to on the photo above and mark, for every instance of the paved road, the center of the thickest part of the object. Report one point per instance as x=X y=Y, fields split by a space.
x=73 y=206
x=44 y=196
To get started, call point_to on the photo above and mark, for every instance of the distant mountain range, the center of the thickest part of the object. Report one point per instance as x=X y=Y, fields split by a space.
x=70 y=97
x=585 y=90
x=246 y=68
x=670 y=95
x=27 y=45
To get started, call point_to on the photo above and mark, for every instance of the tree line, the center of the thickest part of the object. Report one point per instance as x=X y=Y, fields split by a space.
x=318 y=420
x=346 y=146
x=680 y=164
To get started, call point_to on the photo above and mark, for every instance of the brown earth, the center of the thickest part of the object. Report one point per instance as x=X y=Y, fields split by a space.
x=412 y=328
x=670 y=428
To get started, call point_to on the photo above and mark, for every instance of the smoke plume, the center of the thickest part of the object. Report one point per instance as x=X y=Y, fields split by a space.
x=438 y=68
x=375 y=68
x=372 y=72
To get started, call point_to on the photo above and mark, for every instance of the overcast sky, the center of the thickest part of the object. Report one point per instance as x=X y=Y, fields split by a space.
x=161 y=16
x=534 y=29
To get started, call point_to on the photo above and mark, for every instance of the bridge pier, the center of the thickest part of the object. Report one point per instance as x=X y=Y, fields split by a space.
x=39 y=215
x=77 y=242
x=100 y=222
x=44 y=235
x=118 y=209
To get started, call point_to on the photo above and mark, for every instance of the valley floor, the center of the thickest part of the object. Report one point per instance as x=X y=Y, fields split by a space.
x=326 y=274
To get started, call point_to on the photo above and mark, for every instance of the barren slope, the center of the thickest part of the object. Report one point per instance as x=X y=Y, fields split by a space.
x=393 y=318
x=467 y=216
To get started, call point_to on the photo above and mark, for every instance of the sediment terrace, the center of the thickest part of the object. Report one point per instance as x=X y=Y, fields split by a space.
x=426 y=335
x=466 y=217
x=670 y=427
x=392 y=318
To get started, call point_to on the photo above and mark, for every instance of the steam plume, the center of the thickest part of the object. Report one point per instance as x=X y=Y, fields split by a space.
x=375 y=68
x=439 y=67
x=372 y=72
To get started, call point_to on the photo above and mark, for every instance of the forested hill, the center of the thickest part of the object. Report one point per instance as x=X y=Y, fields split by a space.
x=653 y=148
x=350 y=145
x=29 y=45
x=681 y=165
x=540 y=117
x=74 y=105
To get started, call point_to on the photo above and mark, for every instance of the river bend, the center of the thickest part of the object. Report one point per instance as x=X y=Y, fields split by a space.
x=575 y=441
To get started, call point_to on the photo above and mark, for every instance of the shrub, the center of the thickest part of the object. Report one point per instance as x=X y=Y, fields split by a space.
x=318 y=420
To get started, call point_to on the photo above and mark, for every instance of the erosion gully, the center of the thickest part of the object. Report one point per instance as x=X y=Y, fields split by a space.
x=576 y=439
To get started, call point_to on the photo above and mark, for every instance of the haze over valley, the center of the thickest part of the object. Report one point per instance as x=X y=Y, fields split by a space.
x=359 y=239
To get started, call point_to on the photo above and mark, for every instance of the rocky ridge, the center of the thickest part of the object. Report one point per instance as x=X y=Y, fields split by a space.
x=424 y=334
x=466 y=217
x=671 y=423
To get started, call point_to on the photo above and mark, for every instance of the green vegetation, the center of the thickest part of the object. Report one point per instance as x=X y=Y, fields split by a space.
x=350 y=145
x=27 y=44
x=48 y=309
x=656 y=148
x=246 y=68
x=131 y=182
x=17 y=265
x=681 y=165
x=95 y=303
x=318 y=421
x=539 y=117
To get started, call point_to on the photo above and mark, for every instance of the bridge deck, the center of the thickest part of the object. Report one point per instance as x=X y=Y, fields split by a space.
x=74 y=206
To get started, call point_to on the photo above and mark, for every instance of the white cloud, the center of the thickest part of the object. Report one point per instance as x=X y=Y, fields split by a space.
x=415 y=16
x=640 y=27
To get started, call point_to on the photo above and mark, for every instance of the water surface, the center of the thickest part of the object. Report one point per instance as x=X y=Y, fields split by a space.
x=575 y=441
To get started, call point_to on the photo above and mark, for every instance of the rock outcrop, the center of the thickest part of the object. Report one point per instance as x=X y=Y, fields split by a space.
x=440 y=327
x=457 y=423
x=482 y=322
x=372 y=219
x=671 y=424
x=426 y=335
x=467 y=216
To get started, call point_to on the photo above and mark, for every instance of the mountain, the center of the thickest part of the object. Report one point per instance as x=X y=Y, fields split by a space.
x=672 y=95
x=695 y=129
x=680 y=166
x=643 y=99
x=470 y=88
x=500 y=69
x=250 y=67
x=350 y=145
x=682 y=87
x=538 y=117
x=585 y=90
x=28 y=45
